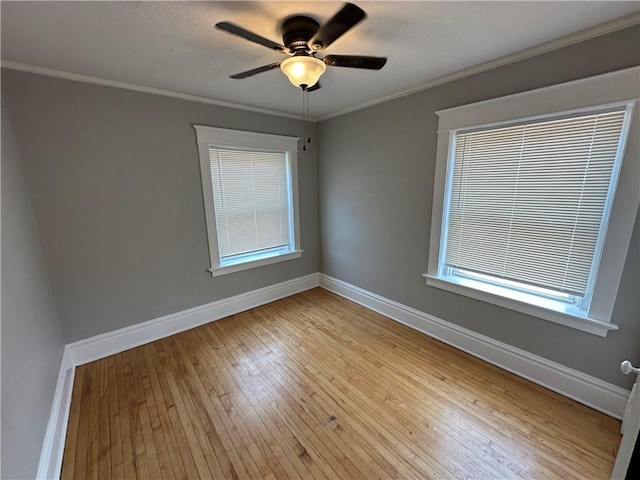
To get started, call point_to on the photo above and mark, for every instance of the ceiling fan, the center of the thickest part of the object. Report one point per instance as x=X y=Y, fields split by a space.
x=303 y=38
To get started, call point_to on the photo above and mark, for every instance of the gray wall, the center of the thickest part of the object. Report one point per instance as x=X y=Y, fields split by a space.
x=376 y=169
x=115 y=186
x=32 y=346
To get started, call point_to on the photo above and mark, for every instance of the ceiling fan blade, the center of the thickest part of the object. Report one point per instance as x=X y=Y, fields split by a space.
x=337 y=26
x=355 y=61
x=252 y=37
x=255 y=71
x=317 y=86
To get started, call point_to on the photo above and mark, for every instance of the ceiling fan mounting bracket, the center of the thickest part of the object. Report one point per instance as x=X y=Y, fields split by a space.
x=297 y=31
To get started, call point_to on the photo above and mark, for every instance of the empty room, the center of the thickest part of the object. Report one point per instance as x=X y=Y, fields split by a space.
x=320 y=240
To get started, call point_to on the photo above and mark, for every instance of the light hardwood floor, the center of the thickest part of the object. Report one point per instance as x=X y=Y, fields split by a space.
x=315 y=386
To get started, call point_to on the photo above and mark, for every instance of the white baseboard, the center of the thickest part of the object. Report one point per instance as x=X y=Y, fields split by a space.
x=100 y=346
x=593 y=392
x=53 y=444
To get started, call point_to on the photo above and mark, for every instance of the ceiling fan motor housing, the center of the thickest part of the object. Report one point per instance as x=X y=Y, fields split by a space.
x=297 y=31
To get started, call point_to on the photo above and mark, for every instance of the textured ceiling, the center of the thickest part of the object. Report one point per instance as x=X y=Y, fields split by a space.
x=174 y=45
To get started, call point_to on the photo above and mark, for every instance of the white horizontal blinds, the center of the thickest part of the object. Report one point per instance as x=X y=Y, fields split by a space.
x=250 y=197
x=527 y=200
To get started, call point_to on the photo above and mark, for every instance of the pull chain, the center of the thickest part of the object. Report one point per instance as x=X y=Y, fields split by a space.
x=304 y=118
x=306 y=92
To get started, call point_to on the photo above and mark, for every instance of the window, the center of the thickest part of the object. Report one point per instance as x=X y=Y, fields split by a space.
x=526 y=216
x=526 y=204
x=249 y=183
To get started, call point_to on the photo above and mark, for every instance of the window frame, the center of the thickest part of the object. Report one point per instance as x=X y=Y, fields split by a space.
x=208 y=137
x=584 y=95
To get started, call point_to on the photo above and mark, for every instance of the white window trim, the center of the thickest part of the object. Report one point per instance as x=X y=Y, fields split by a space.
x=615 y=88
x=234 y=139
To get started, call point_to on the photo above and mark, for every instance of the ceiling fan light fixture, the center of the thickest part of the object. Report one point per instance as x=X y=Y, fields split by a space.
x=303 y=70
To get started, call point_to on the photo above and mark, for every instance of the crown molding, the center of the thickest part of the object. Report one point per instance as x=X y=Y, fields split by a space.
x=577 y=37
x=76 y=77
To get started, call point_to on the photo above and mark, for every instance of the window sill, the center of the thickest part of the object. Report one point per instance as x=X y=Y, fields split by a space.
x=545 y=309
x=253 y=263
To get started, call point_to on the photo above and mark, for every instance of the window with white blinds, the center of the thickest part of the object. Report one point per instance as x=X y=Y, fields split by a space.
x=535 y=198
x=250 y=193
x=251 y=201
x=528 y=203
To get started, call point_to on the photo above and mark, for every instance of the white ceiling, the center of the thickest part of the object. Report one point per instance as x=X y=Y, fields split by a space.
x=174 y=46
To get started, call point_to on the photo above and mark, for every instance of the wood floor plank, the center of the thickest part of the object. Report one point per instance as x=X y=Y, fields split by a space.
x=186 y=461
x=73 y=424
x=82 y=442
x=150 y=449
x=166 y=460
x=128 y=457
x=205 y=459
x=227 y=410
x=93 y=444
x=316 y=387
x=133 y=402
x=71 y=452
x=285 y=438
x=275 y=462
x=162 y=426
x=229 y=456
x=105 y=450
x=115 y=440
